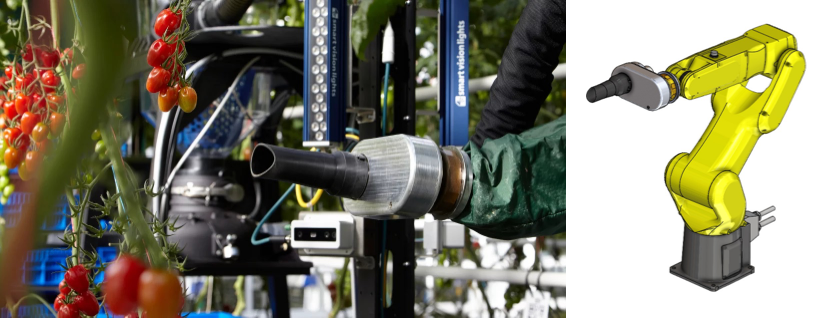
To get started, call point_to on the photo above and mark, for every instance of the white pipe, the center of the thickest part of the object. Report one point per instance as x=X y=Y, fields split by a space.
x=431 y=92
x=539 y=279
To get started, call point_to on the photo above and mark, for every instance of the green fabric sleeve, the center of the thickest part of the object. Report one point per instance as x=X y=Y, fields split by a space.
x=519 y=188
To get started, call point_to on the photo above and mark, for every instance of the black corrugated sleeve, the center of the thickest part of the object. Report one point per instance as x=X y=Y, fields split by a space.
x=525 y=74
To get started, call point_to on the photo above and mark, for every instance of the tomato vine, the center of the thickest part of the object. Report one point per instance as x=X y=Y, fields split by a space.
x=41 y=88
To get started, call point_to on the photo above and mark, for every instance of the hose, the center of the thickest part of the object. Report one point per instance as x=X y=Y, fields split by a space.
x=267 y=215
x=224 y=12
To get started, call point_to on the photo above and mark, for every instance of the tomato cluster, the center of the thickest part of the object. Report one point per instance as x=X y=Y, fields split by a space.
x=166 y=55
x=129 y=285
x=75 y=296
x=33 y=99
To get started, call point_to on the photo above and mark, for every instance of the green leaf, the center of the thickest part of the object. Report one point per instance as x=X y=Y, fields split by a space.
x=368 y=20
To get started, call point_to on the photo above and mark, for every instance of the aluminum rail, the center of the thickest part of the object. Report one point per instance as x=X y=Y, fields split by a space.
x=539 y=279
x=431 y=92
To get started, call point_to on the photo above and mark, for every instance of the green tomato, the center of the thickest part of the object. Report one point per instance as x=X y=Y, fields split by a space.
x=4 y=200
x=96 y=135
x=4 y=170
x=4 y=181
x=8 y=190
x=100 y=147
x=88 y=178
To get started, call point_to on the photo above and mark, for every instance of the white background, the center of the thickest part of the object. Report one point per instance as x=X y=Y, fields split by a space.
x=623 y=230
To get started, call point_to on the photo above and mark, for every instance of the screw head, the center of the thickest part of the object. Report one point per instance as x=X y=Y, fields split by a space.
x=714 y=53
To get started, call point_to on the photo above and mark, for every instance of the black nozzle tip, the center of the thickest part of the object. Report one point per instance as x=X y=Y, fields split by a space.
x=261 y=160
x=616 y=85
x=591 y=96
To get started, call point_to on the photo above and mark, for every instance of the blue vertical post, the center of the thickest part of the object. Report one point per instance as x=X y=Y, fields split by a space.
x=326 y=50
x=453 y=72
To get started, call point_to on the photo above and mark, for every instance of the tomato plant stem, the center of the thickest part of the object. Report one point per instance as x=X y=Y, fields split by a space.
x=131 y=201
x=55 y=23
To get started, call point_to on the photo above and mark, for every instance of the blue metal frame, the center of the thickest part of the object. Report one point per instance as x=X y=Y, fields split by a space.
x=337 y=41
x=453 y=72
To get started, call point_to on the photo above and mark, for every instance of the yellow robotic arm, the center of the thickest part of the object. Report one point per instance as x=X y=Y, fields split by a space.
x=705 y=183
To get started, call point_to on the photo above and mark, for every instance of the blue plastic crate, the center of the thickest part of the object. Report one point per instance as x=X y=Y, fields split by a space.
x=106 y=254
x=44 y=267
x=57 y=221
x=34 y=311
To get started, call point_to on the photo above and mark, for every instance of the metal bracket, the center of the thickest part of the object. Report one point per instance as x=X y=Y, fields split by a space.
x=231 y=192
x=362 y=115
x=443 y=234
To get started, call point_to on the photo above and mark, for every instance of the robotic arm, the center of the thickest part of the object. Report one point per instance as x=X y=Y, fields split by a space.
x=705 y=183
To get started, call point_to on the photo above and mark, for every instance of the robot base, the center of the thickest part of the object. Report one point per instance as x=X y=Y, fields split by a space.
x=714 y=262
x=712 y=286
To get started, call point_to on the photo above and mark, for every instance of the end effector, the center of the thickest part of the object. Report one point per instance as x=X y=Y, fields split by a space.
x=390 y=177
x=638 y=84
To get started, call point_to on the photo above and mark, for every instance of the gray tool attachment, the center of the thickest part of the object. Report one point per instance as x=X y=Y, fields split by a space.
x=639 y=85
x=714 y=262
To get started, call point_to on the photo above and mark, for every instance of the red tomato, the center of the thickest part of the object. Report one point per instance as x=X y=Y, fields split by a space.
x=187 y=99
x=168 y=97
x=157 y=80
x=77 y=278
x=13 y=70
x=9 y=109
x=39 y=102
x=68 y=311
x=159 y=292
x=173 y=41
x=167 y=21
x=27 y=55
x=40 y=132
x=47 y=57
x=59 y=302
x=23 y=82
x=50 y=79
x=12 y=157
x=54 y=101
x=44 y=145
x=87 y=304
x=121 y=281
x=3 y=120
x=33 y=160
x=64 y=289
x=22 y=103
x=159 y=52
x=134 y=314
x=67 y=55
x=55 y=124
x=28 y=121
x=11 y=135
x=78 y=72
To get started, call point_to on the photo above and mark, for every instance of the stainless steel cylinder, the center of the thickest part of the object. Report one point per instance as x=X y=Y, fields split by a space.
x=405 y=175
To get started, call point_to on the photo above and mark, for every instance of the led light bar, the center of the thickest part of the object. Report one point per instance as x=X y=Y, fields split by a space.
x=453 y=72
x=326 y=53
